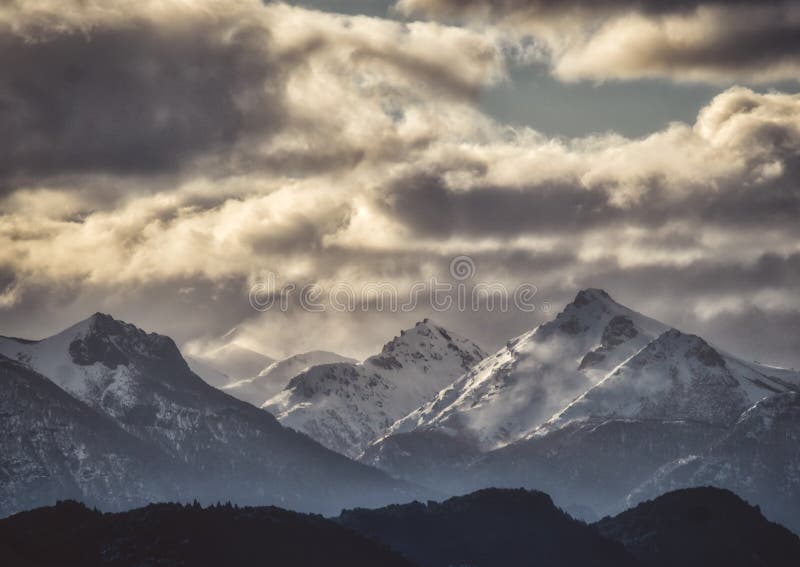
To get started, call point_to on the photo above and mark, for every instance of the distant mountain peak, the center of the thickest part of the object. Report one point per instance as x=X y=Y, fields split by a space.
x=677 y=376
x=96 y=323
x=112 y=342
x=592 y=295
x=345 y=405
x=423 y=326
x=104 y=324
x=511 y=393
x=421 y=342
x=259 y=389
x=692 y=346
x=595 y=315
x=100 y=316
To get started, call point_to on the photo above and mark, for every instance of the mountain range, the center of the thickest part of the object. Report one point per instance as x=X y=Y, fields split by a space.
x=348 y=405
x=601 y=407
x=111 y=414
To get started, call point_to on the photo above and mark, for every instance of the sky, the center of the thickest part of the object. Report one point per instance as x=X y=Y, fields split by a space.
x=160 y=160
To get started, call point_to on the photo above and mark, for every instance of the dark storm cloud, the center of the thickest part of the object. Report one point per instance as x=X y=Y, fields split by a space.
x=132 y=96
x=772 y=46
x=143 y=90
x=425 y=204
x=736 y=168
x=687 y=40
x=703 y=279
x=208 y=309
x=502 y=8
x=297 y=233
x=241 y=139
x=768 y=335
x=419 y=265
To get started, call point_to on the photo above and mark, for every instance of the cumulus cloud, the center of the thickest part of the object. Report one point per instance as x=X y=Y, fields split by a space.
x=684 y=40
x=158 y=172
x=131 y=88
x=147 y=88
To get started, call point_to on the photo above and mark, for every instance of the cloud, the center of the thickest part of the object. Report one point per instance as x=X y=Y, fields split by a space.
x=325 y=148
x=154 y=88
x=683 y=40
x=735 y=167
x=139 y=91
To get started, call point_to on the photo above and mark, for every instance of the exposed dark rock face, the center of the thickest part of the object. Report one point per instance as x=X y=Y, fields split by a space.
x=618 y=330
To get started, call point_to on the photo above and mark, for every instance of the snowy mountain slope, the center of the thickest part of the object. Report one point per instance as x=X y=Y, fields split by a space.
x=758 y=458
x=235 y=451
x=234 y=361
x=673 y=399
x=345 y=406
x=274 y=378
x=676 y=377
x=208 y=373
x=55 y=447
x=633 y=396
x=507 y=395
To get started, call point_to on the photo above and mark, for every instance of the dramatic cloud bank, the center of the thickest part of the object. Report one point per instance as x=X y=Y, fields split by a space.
x=716 y=41
x=161 y=157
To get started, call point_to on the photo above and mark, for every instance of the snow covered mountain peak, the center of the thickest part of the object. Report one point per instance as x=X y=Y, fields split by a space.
x=509 y=394
x=690 y=346
x=259 y=389
x=678 y=376
x=103 y=324
x=345 y=406
x=98 y=358
x=425 y=342
x=105 y=340
x=106 y=362
x=590 y=313
x=592 y=295
x=208 y=441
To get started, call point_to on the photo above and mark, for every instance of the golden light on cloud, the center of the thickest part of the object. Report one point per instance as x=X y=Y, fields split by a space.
x=327 y=147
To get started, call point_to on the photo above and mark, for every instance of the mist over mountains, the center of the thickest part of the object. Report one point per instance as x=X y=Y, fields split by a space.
x=213 y=446
x=442 y=283
x=602 y=408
